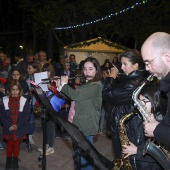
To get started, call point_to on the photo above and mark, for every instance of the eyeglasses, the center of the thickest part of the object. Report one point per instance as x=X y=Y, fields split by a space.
x=147 y=63
x=144 y=101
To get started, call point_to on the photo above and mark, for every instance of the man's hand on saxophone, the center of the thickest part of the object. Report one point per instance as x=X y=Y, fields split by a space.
x=130 y=149
x=149 y=127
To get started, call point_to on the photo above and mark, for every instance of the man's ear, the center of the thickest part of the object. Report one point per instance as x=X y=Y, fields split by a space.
x=166 y=56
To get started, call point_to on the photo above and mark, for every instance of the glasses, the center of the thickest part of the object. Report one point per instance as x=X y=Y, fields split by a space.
x=145 y=101
x=147 y=63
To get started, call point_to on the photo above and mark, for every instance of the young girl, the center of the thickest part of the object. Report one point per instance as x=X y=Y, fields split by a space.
x=14 y=114
x=16 y=74
x=51 y=125
x=88 y=101
x=31 y=69
x=153 y=102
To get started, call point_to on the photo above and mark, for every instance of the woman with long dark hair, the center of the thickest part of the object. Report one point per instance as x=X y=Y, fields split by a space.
x=118 y=94
x=88 y=101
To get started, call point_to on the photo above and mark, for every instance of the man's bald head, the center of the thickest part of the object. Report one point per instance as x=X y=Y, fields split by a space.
x=156 y=54
x=157 y=41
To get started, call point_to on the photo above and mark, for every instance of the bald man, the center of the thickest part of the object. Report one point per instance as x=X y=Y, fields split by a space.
x=156 y=55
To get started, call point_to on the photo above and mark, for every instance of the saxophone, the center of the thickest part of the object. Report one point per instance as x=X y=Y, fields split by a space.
x=124 y=141
x=138 y=104
x=158 y=152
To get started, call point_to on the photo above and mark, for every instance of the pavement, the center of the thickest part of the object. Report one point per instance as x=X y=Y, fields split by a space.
x=61 y=159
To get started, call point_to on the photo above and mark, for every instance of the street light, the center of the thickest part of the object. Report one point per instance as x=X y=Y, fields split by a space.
x=21 y=47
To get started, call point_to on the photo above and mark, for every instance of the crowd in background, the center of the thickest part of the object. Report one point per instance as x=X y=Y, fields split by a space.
x=23 y=70
x=104 y=95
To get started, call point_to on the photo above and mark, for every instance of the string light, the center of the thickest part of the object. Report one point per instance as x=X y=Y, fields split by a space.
x=92 y=55
x=103 y=18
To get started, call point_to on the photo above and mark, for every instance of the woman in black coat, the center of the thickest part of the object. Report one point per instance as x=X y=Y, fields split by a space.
x=118 y=93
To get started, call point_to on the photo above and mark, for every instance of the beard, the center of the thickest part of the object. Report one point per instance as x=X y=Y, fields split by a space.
x=162 y=71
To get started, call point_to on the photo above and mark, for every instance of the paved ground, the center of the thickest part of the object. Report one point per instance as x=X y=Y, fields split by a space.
x=61 y=159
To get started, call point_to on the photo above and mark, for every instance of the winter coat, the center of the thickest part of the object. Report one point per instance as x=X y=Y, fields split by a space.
x=118 y=93
x=162 y=130
x=88 y=101
x=23 y=118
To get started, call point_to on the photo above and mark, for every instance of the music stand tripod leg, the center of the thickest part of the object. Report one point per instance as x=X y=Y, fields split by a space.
x=77 y=155
x=43 y=158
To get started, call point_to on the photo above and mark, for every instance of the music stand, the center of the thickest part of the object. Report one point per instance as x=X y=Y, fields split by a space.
x=74 y=132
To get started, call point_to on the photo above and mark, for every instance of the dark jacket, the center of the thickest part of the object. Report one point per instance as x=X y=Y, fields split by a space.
x=162 y=131
x=23 y=118
x=118 y=93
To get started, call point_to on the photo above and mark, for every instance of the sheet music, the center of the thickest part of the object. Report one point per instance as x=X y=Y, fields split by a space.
x=38 y=77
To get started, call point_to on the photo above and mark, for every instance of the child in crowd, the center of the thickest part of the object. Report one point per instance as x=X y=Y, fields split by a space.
x=51 y=124
x=14 y=115
x=16 y=74
x=31 y=69
x=154 y=103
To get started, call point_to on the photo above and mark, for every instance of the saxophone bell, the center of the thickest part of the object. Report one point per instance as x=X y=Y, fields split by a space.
x=162 y=156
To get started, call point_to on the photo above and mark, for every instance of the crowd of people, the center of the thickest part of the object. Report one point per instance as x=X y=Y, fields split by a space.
x=104 y=92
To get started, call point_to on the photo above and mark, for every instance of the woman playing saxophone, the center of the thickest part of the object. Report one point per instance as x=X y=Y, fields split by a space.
x=152 y=102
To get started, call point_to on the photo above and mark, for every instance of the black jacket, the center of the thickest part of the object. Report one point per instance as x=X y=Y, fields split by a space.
x=118 y=93
x=162 y=131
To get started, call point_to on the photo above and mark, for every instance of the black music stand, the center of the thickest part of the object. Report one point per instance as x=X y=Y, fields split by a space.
x=79 y=140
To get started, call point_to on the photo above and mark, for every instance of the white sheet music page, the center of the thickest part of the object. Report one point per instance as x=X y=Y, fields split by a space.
x=38 y=80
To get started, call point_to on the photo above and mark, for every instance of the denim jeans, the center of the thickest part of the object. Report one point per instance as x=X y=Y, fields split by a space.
x=50 y=138
x=86 y=162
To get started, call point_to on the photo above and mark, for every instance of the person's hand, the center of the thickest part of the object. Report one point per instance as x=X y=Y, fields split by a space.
x=113 y=72
x=11 y=128
x=48 y=85
x=149 y=127
x=64 y=79
x=15 y=127
x=130 y=149
x=2 y=89
x=58 y=82
x=77 y=80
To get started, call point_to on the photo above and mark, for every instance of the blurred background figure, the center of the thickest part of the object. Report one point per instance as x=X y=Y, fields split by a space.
x=73 y=64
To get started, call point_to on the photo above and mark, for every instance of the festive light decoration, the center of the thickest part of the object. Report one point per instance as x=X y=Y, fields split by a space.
x=92 y=55
x=103 y=18
x=94 y=41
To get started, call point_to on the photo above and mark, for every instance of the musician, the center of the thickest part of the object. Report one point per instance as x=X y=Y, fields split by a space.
x=151 y=99
x=118 y=94
x=88 y=101
x=156 y=55
x=51 y=125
